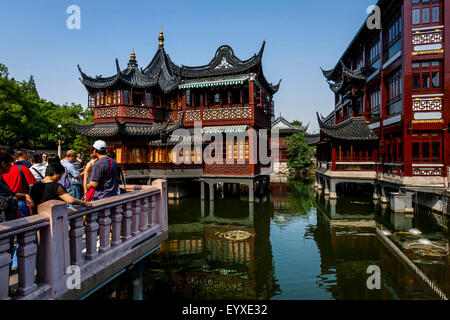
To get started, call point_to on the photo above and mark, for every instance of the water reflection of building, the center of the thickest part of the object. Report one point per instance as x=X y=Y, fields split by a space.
x=348 y=245
x=216 y=266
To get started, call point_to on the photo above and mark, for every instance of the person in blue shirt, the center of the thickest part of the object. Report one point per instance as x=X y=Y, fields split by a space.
x=105 y=173
x=73 y=174
x=22 y=159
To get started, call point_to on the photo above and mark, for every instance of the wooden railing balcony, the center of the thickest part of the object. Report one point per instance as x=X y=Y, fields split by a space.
x=396 y=169
x=99 y=241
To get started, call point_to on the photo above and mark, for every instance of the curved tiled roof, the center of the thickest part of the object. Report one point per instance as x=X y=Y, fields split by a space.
x=224 y=62
x=162 y=72
x=312 y=139
x=354 y=128
x=336 y=77
x=106 y=130
x=289 y=126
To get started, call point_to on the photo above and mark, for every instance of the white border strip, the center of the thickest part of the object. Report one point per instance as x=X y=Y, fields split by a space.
x=427 y=28
x=373 y=75
x=427 y=165
x=428 y=95
x=392 y=120
x=393 y=59
x=357 y=163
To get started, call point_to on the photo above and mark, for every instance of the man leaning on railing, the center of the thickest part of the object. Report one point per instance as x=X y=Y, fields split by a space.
x=105 y=175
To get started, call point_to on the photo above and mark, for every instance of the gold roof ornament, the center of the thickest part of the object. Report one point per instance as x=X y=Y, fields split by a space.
x=161 y=38
x=133 y=55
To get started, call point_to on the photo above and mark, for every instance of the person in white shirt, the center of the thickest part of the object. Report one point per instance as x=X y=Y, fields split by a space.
x=37 y=168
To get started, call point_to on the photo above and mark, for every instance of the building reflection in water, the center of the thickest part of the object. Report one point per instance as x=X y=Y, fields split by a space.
x=348 y=244
x=306 y=235
x=214 y=263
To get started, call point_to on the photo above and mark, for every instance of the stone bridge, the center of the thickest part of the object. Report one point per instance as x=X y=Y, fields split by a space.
x=97 y=243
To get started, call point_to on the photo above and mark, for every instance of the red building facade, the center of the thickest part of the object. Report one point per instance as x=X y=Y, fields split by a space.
x=392 y=98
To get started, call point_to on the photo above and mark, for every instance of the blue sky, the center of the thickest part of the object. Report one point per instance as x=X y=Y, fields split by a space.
x=301 y=36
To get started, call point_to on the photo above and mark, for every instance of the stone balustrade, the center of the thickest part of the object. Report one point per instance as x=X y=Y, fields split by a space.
x=98 y=241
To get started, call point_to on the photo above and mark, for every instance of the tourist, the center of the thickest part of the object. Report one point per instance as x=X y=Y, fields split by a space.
x=78 y=163
x=19 y=179
x=87 y=178
x=50 y=189
x=64 y=181
x=104 y=175
x=74 y=176
x=37 y=168
x=120 y=175
x=22 y=158
x=45 y=159
x=10 y=199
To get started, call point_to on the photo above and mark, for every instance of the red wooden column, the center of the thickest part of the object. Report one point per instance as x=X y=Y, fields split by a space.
x=252 y=151
x=251 y=89
x=383 y=92
x=333 y=156
x=407 y=87
x=446 y=113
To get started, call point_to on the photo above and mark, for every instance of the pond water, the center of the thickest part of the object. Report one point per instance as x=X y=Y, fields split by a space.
x=292 y=244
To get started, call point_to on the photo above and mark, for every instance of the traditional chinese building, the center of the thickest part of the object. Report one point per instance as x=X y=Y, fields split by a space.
x=390 y=123
x=281 y=130
x=138 y=110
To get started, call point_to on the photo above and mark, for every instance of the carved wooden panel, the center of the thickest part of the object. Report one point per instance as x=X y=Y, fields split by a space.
x=428 y=171
x=109 y=112
x=434 y=104
x=132 y=112
x=427 y=37
x=227 y=114
x=193 y=115
x=228 y=169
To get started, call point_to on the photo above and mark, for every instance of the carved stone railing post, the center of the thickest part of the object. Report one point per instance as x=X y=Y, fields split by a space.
x=26 y=256
x=126 y=221
x=144 y=215
x=136 y=209
x=161 y=204
x=76 y=240
x=105 y=230
x=116 y=226
x=53 y=249
x=92 y=227
x=152 y=211
x=5 y=260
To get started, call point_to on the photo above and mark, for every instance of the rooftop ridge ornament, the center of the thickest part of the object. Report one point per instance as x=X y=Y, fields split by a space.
x=132 y=62
x=161 y=38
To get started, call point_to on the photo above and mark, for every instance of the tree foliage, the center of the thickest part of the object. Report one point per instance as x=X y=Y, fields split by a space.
x=27 y=121
x=300 y=156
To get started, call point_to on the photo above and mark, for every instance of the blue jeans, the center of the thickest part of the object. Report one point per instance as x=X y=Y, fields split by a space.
x=75 y=191
x=23 y=209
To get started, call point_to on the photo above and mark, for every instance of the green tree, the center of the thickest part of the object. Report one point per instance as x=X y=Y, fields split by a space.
x=3 y=71
x=27 y=121
x=300 y=156
x=297 y=123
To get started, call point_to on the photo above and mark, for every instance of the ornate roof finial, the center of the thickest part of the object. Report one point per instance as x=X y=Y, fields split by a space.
x=132 y=62
x=161 y=38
